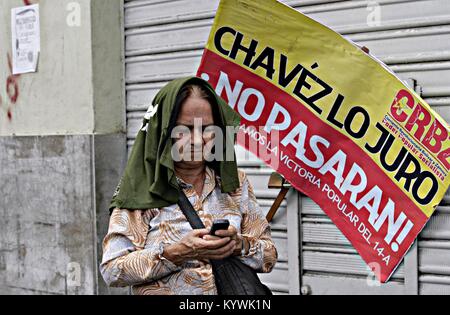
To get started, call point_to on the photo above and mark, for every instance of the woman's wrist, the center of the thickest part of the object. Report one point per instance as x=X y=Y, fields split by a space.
x=246 y=247
x=242 y=246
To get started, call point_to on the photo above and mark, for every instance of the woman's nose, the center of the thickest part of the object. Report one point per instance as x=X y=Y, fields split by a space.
x=197 y=138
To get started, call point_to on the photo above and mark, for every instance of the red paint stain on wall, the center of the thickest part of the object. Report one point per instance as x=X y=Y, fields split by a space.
x=28 y=2
x=12 y=89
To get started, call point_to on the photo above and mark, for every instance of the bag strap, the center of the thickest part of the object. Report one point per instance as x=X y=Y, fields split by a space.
x=189 y=212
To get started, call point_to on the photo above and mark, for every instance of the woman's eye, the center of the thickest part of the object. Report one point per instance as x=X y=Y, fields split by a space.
x=181 y=131
x=208 y=131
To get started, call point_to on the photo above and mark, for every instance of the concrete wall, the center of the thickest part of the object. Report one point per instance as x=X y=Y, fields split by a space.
x=62 y=148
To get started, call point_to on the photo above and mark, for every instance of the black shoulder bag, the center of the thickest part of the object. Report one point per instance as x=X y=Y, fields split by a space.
x=232 y=276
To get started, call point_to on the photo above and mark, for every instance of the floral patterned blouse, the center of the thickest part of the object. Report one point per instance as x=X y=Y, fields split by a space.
x=133 y=247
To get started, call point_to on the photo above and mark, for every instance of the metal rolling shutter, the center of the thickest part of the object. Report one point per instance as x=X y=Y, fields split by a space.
x=414 y=40
x=164 y=40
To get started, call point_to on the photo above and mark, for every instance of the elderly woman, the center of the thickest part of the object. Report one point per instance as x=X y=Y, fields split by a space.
x=150 y=245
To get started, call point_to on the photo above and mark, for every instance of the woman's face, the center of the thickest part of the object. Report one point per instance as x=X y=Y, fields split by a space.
x=194 y=132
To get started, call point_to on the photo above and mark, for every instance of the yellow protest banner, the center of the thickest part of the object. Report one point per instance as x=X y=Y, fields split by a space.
x=335 y=121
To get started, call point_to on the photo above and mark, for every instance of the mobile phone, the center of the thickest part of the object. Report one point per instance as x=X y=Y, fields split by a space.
x=219 y=225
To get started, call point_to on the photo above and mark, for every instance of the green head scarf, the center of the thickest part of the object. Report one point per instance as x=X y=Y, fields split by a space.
x=149 y=179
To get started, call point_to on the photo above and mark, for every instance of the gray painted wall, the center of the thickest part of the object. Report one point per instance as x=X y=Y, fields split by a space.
x=62 y=150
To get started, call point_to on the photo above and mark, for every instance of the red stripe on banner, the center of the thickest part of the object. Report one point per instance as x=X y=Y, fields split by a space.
x=353 y=223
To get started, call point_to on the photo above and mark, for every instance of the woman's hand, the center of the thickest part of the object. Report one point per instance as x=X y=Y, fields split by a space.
x=233 y=234
x=197 y=246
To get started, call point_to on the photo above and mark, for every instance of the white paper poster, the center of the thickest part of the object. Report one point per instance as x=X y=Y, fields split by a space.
x=25 y=38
